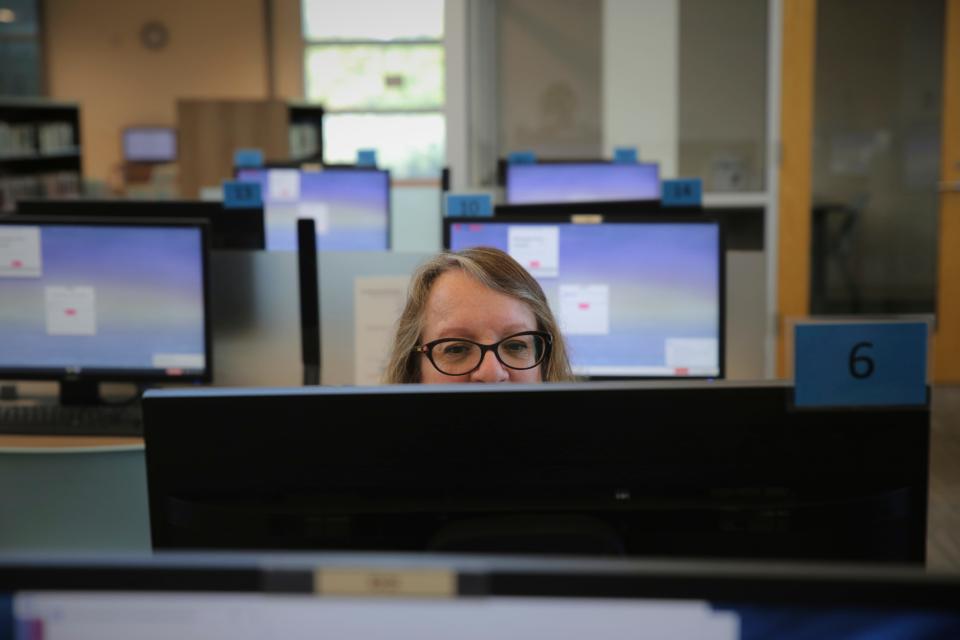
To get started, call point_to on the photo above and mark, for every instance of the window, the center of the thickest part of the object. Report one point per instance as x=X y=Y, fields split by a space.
x=377 y=67
x=19 y=48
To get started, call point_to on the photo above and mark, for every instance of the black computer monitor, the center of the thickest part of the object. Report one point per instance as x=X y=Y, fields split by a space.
x=601 y=207
x=89 y=300
x=581 y=182
x=350 y=206
x=150 y=144
x=229 y=228
x=692 y=469
x=635 y=296
x=230 y=596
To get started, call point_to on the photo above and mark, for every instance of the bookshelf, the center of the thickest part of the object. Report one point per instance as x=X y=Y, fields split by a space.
x=40 y=154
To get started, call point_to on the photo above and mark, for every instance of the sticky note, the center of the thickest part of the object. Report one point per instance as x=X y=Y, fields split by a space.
x=247 y=158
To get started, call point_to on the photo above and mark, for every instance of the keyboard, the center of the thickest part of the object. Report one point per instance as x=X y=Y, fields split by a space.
x=68 y=420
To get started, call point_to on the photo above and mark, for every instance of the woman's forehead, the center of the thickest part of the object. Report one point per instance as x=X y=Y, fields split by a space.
x=458 y=300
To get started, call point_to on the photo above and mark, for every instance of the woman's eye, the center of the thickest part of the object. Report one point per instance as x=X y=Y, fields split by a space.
x=455 y=349
x=515 y=346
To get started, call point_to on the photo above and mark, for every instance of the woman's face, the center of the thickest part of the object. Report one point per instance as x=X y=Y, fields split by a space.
x=459 y=306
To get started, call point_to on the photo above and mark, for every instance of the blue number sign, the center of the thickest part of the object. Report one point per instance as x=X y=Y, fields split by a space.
x=860 y=364
x=241 y=195
x=459 y=205
x=682 y=193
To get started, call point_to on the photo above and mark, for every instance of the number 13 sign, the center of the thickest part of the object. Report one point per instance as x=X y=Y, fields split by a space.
x=860 y=364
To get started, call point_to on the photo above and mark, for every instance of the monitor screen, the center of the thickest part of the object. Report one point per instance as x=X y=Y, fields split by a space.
x=581 y=182
x=110 y=300
x=150 y=144
x=634 y=298
x=350 y=207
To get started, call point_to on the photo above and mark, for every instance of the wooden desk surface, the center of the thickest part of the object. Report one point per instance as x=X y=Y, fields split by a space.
x=67 y=444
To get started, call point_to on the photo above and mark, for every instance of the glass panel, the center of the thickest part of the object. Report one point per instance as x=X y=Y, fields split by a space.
x=18 y=17
x=372 y=19
x=723 y=93
x=410 y=145
x=376 y=76
x=549 y=78
x=877 y=116
x=19 y=67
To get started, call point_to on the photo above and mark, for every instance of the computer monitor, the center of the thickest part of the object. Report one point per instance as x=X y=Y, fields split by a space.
x=150 y=144
x=229 y=228
x=89 y=300
x=635 y=296
x=669 y=469
x=231 y=596
x=350 y=206
x=581 y=182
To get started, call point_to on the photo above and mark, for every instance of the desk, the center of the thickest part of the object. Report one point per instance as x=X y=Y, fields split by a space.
x=67 y=444
x=73 y=493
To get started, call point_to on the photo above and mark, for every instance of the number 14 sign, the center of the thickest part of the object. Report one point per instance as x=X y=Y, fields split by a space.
x=860 y=364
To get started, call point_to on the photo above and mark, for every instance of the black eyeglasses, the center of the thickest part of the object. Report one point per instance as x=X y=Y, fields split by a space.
x=459 y=356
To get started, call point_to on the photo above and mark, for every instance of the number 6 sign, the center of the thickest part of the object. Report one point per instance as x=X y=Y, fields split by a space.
x=860 y=364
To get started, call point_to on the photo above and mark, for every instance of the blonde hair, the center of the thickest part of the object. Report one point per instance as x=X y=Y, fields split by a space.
x=494 y=269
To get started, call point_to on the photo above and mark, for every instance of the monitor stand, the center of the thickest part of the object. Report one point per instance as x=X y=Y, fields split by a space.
x=79 y=392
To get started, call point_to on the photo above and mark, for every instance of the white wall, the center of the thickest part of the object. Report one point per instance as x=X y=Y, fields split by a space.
x=640 y=79
x=457 y=98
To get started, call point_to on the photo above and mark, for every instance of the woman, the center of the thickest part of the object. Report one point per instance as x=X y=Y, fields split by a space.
x=476 y=316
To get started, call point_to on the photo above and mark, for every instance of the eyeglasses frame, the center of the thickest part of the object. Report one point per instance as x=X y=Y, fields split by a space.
x=427 y=350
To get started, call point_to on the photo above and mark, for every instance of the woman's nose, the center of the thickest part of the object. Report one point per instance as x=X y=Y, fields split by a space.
x=490 y=370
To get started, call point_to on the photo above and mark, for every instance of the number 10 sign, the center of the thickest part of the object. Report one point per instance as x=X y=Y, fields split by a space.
x=860 y=364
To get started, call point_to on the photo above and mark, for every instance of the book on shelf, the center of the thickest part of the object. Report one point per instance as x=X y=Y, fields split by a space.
x=58 y=184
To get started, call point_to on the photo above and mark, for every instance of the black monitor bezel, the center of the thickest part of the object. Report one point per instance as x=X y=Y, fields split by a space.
x=694 y=434
x=599 y=207
x=322 y=168
x=504 y=161
x=220 y=218
x=658 y=218
x=566 y=163
x=150 y=127
x=67 y=374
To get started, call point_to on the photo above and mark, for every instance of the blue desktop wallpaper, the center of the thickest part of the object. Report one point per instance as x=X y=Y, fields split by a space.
x=662 y=279
x=147 y=285
x=357 y=204
x=581 y=182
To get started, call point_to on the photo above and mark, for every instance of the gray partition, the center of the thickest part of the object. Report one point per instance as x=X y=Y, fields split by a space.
x=62 y=500
x=746 y=328
x=337 y=276
x=255 y=309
